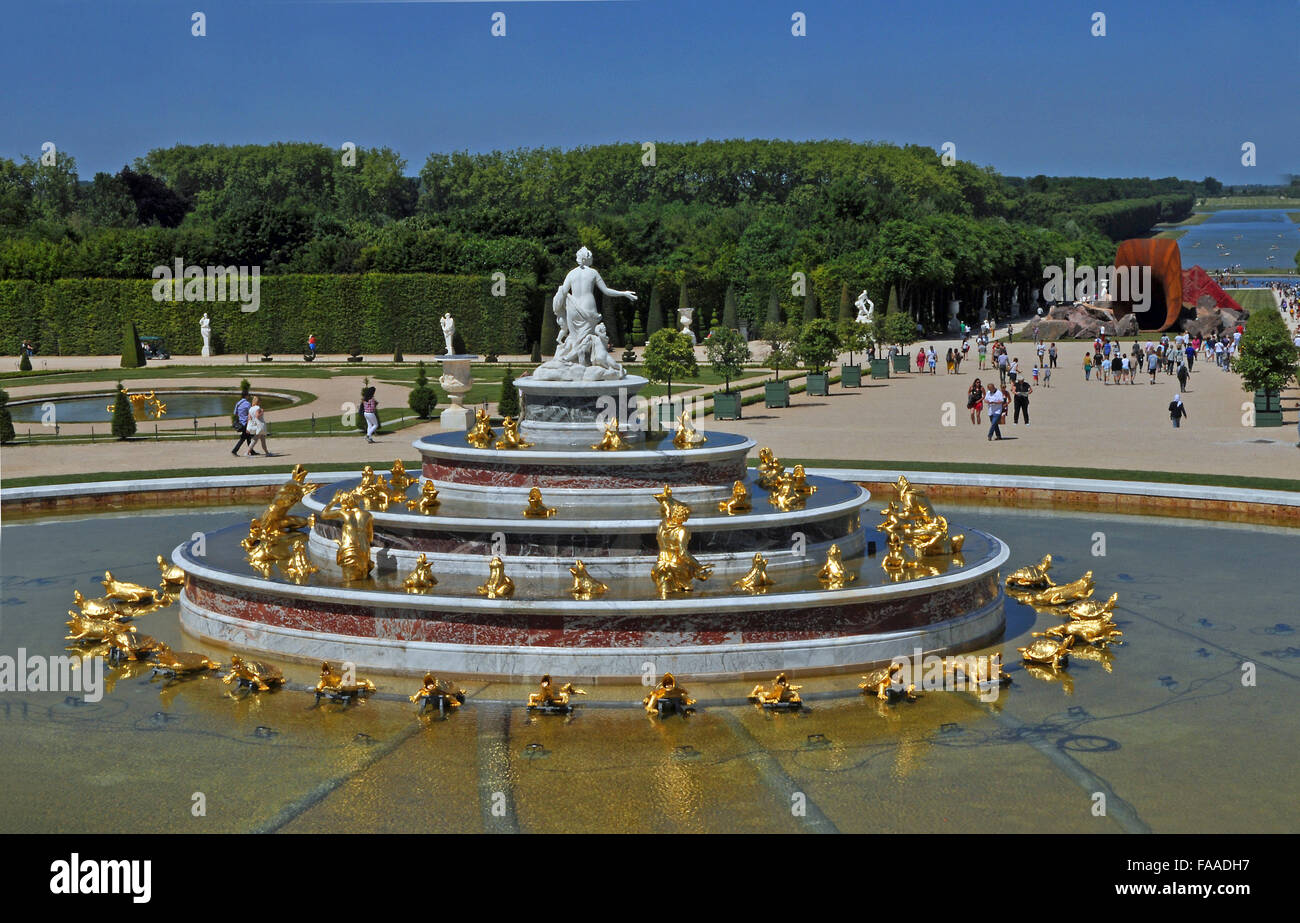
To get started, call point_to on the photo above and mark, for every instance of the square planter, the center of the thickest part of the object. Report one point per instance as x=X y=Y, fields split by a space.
x=1268 y=408
x=819 y=383
x=776 y=394
x=880 y=368
x=902 y=362
x=726 y=405
x=669 y=411
x=851 y=376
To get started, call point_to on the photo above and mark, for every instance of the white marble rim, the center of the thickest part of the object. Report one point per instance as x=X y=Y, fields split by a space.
x=588 y=457
x=689 y=661
x=252 y=582
x=932 y=478
x=714 y=522
x=563 y=388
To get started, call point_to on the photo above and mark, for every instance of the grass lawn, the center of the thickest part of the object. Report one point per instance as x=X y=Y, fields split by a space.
x=1224 y=203
x=1253 y=299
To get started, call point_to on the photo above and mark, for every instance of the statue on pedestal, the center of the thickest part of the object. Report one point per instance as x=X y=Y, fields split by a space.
x=448 y=332
x=866 y=308
x=582 y=345
x=205 y=328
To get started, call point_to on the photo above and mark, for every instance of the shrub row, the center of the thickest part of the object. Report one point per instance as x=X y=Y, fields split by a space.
x=374 y=312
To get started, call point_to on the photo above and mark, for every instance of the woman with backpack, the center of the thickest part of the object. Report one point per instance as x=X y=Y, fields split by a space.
x=370 y=410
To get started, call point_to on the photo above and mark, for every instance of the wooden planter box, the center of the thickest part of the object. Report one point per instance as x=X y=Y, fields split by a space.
x=880 y=368
x=726 y=405
x=776 y=394
x=819 y=383
x=1268 y=408
x=669 y=411
x=851 y=376
x=902 y=362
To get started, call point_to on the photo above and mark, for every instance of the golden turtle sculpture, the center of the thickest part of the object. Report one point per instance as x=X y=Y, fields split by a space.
x=1093 y=631
x=253 y=674
x=127 y=592
x=1048 y=652
x=980 y=672
x=882 y=683
x=82 y=629
x=132 y=645
x=1062 y=593
x=1091 y=609
x=174 y=664
x=101 y=608
x=1032 y=576
x=171 y=574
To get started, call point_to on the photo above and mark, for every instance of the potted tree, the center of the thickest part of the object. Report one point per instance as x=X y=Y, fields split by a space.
x=854 y=337
x=669 y=355
x=776 y=393
x=1266 y=363
x=819 y=344
x=900 y=330
x=728 y=352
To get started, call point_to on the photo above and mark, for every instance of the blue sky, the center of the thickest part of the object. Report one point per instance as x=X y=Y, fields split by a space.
x=1174 y=88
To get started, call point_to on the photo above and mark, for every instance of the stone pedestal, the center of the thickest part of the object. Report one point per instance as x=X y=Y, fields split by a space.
x=456 y=379
x=206 y=352
x=574 y=413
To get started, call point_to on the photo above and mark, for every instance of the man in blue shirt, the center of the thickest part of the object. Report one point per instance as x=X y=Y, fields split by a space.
x=241 y=417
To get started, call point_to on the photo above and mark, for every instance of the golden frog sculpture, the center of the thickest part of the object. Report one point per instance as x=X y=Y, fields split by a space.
x=1064 y=593
x=127 y=592
x=427 y=503
x=537 y=508
x=399 y=481
x=299 y=567
x=1033 y=576
x=739 y=501
x=356 y=535
x=438 y=694
x=421 y=578
x=911 y=525
x=676 y=568
x=1093 y=631
x=756 y=579
x=786 y=496
x=548 y=698
x=374 y=492
x=510 y=438
x=687 y=436
x=799 y=482
x=668 y=698
x=341 y=686
x=498 y=585
x=770 y=469
x=585 y=586
x=480 y=435
x=612 y=440
x=781 y=694
x=277 y=520
x=833 y=574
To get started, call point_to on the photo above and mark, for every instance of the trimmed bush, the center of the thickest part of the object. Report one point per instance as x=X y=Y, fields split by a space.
x=508 y=405
x=132 y=351
x=638 y=332
x=422 y=399
x=6 y=421
x=123 y=418
x=536 y=354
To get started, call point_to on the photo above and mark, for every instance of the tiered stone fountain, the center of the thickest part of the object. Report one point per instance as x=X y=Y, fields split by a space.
x=606 y=514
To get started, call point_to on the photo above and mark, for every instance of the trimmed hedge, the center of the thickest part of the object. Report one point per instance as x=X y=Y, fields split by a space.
x=78 y=317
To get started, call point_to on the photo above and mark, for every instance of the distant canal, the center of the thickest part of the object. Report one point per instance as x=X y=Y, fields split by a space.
x=1246 y=239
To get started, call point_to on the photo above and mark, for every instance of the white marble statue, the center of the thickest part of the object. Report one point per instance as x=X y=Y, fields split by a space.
x=448 y=332
x=581 y=346
x=205 y=328
x=866 y=308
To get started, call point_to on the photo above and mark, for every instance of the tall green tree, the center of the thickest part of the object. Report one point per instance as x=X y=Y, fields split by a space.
x=729 y=318
x=1266 y=359
x=773 y=310
x=132 y=351
x=810 y=312
x=6 y=420
x=656 y=319
x=508 y=402
x=123 y=416
x=846 y=303
x=668 y=357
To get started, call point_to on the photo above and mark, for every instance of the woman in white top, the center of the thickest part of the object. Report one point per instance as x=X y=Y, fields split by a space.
x=257 y=428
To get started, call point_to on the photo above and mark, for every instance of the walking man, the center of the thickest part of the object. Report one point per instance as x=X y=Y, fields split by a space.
x=996 y=402
x=1023 y=390
x=241 y=418
x=1177 y=411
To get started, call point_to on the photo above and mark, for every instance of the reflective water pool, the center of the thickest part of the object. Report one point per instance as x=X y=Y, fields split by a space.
x=1254 y=238
x=179 y=405
x=1191 y=726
